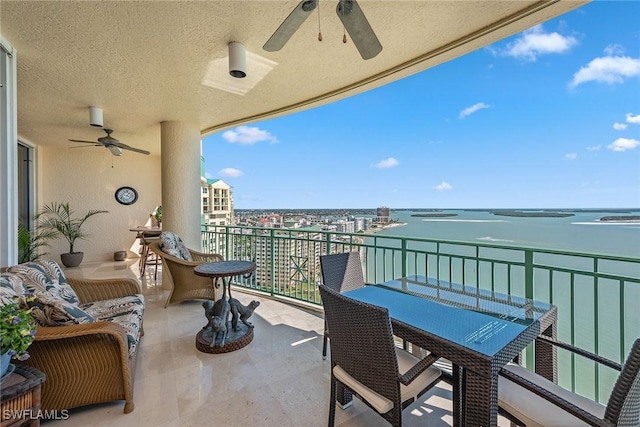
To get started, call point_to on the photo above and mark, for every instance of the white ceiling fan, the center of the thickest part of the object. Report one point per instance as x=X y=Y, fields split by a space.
x=349 y=12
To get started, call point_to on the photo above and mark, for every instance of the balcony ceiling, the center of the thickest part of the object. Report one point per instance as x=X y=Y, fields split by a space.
x=144 y=62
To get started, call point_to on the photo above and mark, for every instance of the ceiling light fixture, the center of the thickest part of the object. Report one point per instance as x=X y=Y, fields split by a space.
x=237 y=60
x=95 y=116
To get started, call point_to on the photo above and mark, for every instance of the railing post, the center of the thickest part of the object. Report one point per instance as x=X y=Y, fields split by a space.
x=273 y=261
x=404 y=257
x=528 y=293
x=328 y=240
x=528 y=273
x=226 y=242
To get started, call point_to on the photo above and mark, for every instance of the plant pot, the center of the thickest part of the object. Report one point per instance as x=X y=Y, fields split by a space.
x=5 y=358
x=72 y=259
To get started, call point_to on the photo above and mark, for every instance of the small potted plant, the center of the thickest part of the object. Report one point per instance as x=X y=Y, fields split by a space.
x=58 y=217
x=17 y=331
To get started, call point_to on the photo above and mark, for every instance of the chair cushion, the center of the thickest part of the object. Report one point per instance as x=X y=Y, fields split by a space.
x=172 y=244
x=125 y=311
x=536 y=411
x=39 y=276
x=380 y=403
x=51 y=310
x=11 y=289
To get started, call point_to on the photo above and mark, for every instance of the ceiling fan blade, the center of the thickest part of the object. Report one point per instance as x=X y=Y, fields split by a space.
x=88 y=142
x=290 y=25
x=87 y=146
x=126 y=147
x=358 y=28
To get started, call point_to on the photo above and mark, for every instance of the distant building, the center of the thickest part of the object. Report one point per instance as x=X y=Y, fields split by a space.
x=217 y=202
x=383 y=214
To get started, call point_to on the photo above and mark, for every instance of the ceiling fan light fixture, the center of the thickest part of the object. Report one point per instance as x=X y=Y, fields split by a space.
x=95 y=116
x=116 y=151
x=237 y=60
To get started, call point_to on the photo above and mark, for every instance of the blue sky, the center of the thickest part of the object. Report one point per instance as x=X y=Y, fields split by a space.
x=546 y=118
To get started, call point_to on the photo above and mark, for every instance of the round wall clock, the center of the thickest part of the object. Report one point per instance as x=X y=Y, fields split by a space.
x=126 y=195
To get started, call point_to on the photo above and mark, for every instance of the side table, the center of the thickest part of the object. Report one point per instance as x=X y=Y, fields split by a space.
x=21 y=397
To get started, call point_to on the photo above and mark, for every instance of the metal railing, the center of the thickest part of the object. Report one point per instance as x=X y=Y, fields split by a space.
x=596 y=294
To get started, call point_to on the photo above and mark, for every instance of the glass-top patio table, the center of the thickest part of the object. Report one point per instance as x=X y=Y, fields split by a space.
x=479 y=331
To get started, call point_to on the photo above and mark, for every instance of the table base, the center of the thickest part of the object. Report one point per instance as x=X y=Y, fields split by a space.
x=235 y=340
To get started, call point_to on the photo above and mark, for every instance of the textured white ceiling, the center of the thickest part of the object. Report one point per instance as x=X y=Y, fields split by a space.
x=145 y=62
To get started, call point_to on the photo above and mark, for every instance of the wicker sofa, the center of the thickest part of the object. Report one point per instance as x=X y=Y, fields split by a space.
x=88 y=334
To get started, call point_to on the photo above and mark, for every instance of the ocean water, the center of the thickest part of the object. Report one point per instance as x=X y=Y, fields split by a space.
x=581 y=232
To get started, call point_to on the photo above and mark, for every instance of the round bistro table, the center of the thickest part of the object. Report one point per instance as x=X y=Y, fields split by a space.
x=223 y=271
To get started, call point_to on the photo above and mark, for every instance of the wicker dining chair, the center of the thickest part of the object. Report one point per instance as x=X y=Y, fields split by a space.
x=365 y=360
x=340 y=272
x=529 y=400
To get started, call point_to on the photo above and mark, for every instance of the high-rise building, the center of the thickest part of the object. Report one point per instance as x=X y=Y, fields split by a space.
x=217 y=200
x=383 y=214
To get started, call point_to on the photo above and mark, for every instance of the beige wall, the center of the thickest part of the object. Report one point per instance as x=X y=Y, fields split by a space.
x=86 y=179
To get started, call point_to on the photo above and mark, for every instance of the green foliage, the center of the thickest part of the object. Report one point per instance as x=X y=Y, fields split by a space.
x=17 y=331
x=30 y=243
x=158 y=214
x=58 y=217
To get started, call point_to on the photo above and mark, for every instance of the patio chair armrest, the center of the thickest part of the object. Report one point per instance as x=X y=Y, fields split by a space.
x=89 y=290
x=417 y=369
x=556 y=400
x=70 y=332
x=580 y=351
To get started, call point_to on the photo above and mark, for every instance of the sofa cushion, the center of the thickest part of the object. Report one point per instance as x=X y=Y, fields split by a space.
x=51 y=310
x=172 y=244
x=125 y=311
x=39 y=276
x=11 y=289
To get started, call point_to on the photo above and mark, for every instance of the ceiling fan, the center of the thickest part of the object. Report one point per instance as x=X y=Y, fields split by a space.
x=349 y=13
x=111 y=144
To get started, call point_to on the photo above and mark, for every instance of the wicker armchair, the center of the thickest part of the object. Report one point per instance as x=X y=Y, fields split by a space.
x=185 y=285
x=340 y=272
x=365 y=360
x=86 y=363
x=530 y=400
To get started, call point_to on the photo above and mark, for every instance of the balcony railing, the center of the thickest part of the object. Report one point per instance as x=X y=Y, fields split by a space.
x=596 y=294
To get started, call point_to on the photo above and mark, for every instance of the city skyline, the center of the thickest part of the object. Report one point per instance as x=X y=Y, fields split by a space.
x=547 y=118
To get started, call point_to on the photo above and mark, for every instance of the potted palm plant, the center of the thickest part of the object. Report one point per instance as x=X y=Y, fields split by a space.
x=58 y=217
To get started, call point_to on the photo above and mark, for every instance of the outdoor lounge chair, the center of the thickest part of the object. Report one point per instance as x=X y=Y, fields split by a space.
x=530 y=400
x=340 y=272
x=365 y=360
x=178 y=262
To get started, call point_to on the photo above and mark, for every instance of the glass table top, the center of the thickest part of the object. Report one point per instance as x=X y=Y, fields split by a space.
x=480 y=320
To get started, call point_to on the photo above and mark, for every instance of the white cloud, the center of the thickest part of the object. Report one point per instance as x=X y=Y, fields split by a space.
x=594 y=148
x=208 y=175
x=246 y=135
x=619 y=126
x=387 y=163
x=443 y=186
x=230 y=172
x=623 y=144
x=607 y=69
x=571 y=156
x=633 y=119
x=470 y=110
x=614 y=50
x=535 y=42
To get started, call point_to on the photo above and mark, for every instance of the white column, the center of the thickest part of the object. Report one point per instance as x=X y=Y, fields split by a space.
x=8 y=156
x=180 y=145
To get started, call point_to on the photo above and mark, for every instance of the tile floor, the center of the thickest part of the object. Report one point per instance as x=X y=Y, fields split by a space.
x=279 y=379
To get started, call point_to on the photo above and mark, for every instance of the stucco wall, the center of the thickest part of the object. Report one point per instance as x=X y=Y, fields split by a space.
x=86 y=179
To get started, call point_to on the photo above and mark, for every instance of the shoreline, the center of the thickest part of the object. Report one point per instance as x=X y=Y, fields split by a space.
x=385 y=227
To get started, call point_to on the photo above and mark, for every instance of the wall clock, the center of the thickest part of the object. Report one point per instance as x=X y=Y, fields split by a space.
x=126 y=195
